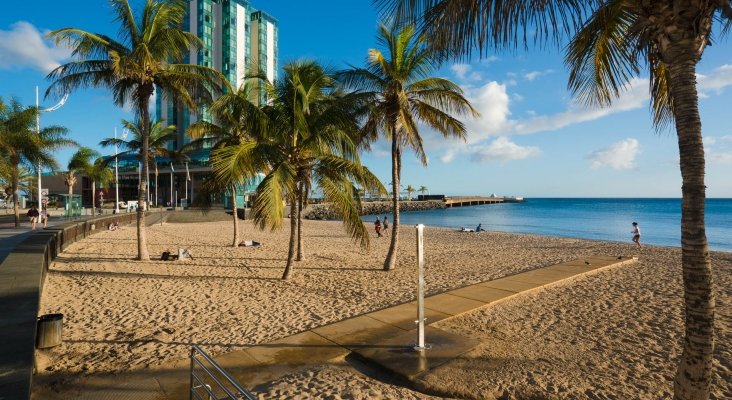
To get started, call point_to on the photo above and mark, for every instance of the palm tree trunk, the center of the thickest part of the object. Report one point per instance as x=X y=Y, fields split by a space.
x=142 y=253
x=16 y=205
x=299 y=222
x=293 y=233
x=390 y=261
x=236 y=217
x=694 y=373
x=72 y=181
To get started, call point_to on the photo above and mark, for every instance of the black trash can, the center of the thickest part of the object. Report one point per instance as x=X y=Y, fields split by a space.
x=49 y=330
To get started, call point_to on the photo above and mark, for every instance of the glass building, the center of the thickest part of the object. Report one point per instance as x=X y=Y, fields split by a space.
x=237 y=40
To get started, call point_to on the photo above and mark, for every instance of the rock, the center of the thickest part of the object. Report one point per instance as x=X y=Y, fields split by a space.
x=324 y=211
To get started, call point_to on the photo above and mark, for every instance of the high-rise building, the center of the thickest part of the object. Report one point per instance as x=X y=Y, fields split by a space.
x=237 y=40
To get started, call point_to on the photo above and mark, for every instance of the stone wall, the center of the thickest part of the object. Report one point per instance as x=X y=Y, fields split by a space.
x=325 y=212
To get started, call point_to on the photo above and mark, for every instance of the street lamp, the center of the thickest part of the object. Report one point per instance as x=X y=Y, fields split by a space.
x=116 y=169
x=38 y=132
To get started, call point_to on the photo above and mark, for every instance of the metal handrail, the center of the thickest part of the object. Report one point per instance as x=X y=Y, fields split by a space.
x=233 y=390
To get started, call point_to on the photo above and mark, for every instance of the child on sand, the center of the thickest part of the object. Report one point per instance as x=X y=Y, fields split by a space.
x=636 y=234
x=377 y=227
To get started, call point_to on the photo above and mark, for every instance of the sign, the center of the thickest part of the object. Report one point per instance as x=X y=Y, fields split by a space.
x=44 y=192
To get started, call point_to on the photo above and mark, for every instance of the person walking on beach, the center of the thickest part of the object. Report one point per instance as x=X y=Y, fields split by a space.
x=636 y=234
x=33 y=215
x=377 y=227
x=386 y=226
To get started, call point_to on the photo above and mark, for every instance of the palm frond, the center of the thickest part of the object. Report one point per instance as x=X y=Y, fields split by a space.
x=459 y=28
x=602 y=56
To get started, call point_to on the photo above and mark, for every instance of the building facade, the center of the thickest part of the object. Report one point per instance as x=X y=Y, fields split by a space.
x=237 y=41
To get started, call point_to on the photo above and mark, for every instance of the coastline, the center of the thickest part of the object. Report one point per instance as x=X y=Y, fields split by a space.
x=124 y=315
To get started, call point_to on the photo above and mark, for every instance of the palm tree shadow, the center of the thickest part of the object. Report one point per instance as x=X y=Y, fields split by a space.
x=136 y=275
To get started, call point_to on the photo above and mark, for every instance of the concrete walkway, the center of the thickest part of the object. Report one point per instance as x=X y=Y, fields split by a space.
x=383 y=338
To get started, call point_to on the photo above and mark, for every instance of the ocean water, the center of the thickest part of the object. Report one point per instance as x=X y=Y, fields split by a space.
x=587 y=218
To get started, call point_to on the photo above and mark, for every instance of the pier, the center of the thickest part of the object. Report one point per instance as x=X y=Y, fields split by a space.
x=463 y=201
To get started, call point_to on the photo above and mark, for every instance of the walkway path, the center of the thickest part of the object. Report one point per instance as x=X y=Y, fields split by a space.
x=382 y=337
x=10 y=236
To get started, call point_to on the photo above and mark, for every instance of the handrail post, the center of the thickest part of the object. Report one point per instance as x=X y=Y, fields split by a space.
x=190 y=374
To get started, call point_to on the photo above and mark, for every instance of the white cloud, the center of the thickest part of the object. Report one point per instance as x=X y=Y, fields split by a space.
x=24 y=46
x=501 y=150
x=619 y=155
x=465 y=72
x=492 y=102
x=720 y=158
x=460 y=70
x=718 y=150
x=635 y=96
x=720 y=78
x=530 y=76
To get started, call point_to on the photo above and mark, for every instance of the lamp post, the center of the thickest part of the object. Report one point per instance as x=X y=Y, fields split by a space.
x=116 y=169
x=38 y=132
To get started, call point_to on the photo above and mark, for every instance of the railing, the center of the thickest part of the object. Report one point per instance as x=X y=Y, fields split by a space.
x=211 y=382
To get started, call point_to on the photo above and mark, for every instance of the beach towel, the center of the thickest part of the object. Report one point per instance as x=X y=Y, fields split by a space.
x=250 y=243
x=184 y=253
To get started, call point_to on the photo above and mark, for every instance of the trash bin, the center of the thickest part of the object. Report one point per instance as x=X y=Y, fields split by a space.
x=49 y=330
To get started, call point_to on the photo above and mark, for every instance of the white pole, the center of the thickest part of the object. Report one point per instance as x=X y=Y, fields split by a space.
x=156 y=185
x=139 y=180
x=420 y=289
x=171 y=186
x=116 y=174
x=38 y=132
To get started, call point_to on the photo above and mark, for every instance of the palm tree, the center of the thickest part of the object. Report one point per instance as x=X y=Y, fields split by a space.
x=410 y=189
x=23 y=146
x=423 y=189
x=615 y=40
x=26 y=180
x=144 y=58
x=309 y=141
x=403 y=95
x=235 y=116
x=79 y=163
x=98 y=172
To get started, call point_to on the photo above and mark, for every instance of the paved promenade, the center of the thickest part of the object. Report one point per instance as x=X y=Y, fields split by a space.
x=382 y=338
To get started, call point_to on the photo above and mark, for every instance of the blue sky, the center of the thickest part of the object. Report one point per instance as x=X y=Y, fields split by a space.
x=531 y=140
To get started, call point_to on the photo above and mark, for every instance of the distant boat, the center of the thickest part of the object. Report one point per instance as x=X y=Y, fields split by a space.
x=513 y=199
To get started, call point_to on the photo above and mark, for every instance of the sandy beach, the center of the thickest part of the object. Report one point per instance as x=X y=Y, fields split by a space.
x=613 y=334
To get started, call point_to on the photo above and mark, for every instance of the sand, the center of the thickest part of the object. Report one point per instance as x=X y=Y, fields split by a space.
x=614 y=334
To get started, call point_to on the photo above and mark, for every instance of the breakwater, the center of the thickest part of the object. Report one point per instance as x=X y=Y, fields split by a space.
x=326 y=212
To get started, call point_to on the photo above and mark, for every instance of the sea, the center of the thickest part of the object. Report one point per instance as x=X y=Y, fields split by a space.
x=587 y=218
